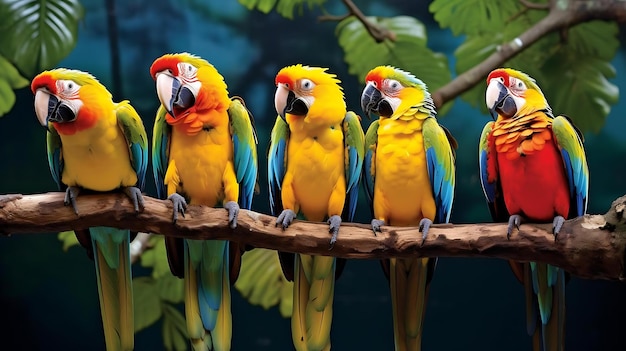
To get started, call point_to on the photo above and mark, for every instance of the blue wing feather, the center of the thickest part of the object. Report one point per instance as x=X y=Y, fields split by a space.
x=570 y=143
x=136 y=138
x=369 y=163
x=354 y=141
x=277 y=161
x=440 y=165
x=244 y=150
x=160 y=151
x=55 y=157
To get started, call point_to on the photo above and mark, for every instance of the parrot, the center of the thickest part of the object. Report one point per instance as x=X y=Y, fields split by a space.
x=314 y=169
x=532 y=168
x=409 y=178
x=204 y=153
x=97 y=145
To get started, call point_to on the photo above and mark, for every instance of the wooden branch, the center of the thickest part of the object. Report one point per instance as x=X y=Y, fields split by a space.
x=559 y=17
x=592 y=246
x=534 y=5
x=379 y=33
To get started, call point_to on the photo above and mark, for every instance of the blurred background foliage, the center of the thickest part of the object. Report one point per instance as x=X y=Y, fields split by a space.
x=47 y=288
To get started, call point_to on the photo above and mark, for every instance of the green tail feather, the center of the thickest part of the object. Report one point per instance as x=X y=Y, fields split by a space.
x=207 y=294
x=313 y=292
x=409 y=280
x=113 y=273
x=547 y=305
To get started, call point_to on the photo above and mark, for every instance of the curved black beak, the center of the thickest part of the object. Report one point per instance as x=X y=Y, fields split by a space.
x=59 y=112
x=182 y=99
x=295 y=106
x=372 y=101
x=503 y=104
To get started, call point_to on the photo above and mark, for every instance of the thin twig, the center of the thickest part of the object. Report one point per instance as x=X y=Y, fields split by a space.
x=379 y=33
x=139 y=245
x=332 y=18
x=534 y=5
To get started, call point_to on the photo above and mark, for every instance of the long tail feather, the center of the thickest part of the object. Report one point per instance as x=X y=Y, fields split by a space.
x=115 y=290
x=409 y=281
x=312 y=302
x=207 y=294
x=545 y=295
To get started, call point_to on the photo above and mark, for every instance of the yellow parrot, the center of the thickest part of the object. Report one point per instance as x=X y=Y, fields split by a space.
x=204 y=152
x=96 y=144
x=314 y=167
x=409 y=179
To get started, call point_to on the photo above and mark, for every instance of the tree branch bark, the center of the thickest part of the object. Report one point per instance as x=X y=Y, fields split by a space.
x=562 y=14
x=592 y=246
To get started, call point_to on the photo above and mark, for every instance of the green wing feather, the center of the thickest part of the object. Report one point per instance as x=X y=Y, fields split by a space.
x=354 y=141
x=570 y=142
x=439 y=146
x=245 y=151
x=369 y=164
x=161 y=134
x=55 y=155
x=277 y=163
x=136 y=137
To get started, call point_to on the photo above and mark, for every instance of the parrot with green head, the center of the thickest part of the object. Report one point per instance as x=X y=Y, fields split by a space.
x=95 y=144
x=533 y=167
x=409 y=177
x=204 y=153
x=314 y=166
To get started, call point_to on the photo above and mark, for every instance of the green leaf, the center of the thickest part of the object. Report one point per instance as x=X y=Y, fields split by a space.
x=596 y=38
x=578 y=87
x=472 y=17
x=42 y=32
x=171 y=288
x=146 y=301
x=156 y=257
x=174 y=329
x=10 y=79
x=261 y=281
x=68 y=239
x=408 y=52
x=285 y=8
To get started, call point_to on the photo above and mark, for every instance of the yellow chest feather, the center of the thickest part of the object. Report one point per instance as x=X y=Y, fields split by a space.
x=315 y=159
x=200 y=162
x=402 y=187
x=97 y=158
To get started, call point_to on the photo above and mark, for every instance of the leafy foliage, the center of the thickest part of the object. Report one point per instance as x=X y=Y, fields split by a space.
x=157 y=295
x=261 y=281
x=408 y=51
x=68 y=239
x=42 y=32
x=473 y=17
x=285 y=8
x=10 y=79
x=572 y=71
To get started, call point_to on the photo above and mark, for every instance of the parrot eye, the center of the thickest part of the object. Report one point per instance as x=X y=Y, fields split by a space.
x=67 y=87
x=517 y=84
x=187 y=70
x=306 y=84
x=392 y=85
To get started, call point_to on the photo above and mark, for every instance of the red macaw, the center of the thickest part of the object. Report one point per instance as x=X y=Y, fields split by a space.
x=533 y=167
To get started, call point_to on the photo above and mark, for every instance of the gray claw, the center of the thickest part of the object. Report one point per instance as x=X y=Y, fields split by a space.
x=424 y=226
x=135 y=197
x=285 y=218
x=70 y=197
x=335 y=223
x=376 y=224
x=514 y=222
x=180 y=205
x=233 y=211
x=557 y=223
